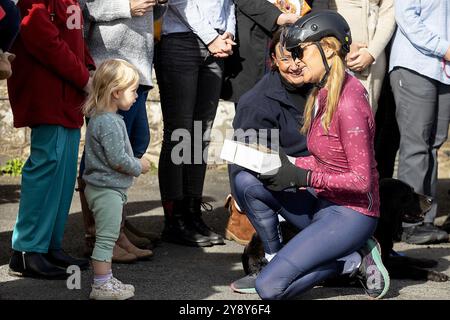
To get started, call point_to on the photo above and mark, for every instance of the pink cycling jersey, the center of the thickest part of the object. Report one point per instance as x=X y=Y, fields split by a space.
x=342 y=162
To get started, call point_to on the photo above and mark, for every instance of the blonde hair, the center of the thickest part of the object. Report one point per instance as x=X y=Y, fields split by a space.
x=112 y=75
x=334 y=85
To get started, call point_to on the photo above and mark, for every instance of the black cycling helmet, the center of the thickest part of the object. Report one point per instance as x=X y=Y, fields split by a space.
x=317 y=25
x=312 y=28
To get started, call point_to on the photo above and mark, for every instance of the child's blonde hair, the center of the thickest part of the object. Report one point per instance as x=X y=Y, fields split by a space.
x=112 y=75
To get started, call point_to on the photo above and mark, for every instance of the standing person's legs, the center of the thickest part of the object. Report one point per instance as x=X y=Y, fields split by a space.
x=208 y=92
x=45 y=190
x=136 y=121
x=106 y=205
x=416 y=99
x=48 y=178
x=438 y=137
x=177 y=70
x=311 y=256
x=68 y=174
x=387 y=136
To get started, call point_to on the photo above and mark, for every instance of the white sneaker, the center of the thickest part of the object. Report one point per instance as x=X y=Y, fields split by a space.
x=112 y=289
x=122 y=285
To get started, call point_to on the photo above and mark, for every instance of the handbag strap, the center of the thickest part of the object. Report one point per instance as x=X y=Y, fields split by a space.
x=51 y=10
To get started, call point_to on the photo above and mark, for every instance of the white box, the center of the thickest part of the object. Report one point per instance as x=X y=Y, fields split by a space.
x=252 y=157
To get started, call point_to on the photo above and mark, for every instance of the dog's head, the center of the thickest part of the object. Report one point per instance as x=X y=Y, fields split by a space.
x=400 y=203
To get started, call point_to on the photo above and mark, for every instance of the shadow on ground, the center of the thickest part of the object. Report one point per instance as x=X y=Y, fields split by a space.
x=9 y=193
x=177 y=272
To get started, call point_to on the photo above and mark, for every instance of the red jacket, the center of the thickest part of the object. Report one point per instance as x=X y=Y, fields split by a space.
x=50 y=70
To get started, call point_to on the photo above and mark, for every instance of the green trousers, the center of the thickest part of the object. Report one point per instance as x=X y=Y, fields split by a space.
x=106 y=205
x=48 y=182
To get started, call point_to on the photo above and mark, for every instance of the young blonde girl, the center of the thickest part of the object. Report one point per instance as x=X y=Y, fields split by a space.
x=110 y=167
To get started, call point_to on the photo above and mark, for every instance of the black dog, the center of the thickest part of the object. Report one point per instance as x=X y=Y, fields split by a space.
x=398 y=203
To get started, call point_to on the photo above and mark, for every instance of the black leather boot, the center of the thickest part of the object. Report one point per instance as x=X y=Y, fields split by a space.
x=176 y=230
x=61 y=259
x=194 y=212
x=34 y=265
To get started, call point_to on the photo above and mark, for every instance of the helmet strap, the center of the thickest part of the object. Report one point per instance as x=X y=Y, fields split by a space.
x=322 y=82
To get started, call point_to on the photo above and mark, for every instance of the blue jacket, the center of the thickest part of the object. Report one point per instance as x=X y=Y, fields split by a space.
x=422 y=37
x=268 y=106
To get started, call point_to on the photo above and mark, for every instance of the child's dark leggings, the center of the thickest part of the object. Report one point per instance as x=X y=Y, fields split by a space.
x=329 y=232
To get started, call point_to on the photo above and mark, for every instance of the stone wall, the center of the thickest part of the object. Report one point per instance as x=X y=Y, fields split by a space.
x=15 y=142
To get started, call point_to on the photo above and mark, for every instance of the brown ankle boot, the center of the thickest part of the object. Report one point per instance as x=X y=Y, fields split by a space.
x=122 y=256
x=140 y=242
x=88 y=218
x=125 y=244
x=152 y=236
x=239 y=228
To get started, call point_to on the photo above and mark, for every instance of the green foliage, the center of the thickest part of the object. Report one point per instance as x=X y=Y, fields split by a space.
x=13 y=167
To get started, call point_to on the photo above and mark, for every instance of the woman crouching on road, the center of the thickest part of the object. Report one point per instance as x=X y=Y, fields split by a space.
x=332 y=195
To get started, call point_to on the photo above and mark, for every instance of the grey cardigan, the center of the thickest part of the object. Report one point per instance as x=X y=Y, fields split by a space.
x=109 y=157
x=112 y=33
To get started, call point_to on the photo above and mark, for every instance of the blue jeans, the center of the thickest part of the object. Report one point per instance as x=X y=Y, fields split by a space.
x=136 y=121
x=328 y=232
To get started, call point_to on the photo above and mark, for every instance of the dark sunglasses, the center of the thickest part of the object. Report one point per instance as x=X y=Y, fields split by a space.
x=297 y=53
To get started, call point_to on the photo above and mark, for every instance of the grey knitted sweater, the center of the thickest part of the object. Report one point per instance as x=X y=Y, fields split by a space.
x=108 y=155
x=112 y=33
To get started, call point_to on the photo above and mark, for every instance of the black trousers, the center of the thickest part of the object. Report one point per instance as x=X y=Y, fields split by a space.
x=189 y=80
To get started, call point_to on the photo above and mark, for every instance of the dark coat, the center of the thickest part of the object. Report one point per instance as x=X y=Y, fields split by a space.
x=9 y=23
x=268 y=106
x=255 y=22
